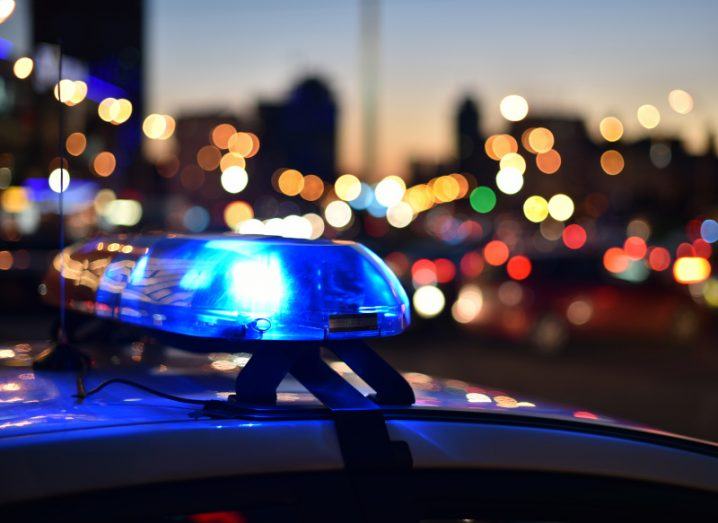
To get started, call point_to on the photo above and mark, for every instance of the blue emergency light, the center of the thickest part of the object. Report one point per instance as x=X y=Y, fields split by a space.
x=281 y=299
x=238 y=287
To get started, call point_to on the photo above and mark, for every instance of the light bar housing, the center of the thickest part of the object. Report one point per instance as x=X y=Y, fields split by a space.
x=233 y=287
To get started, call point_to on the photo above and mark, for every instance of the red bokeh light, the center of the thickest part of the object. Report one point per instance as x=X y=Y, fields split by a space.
x=472 y=264
x=659 y=259
x=685 y=250
x=423 y=272
x=615 y=260
x=445 y=270
x=519 y=267
x=702 y=249
x=496 y=252
x=635 y=247
x=574 y=236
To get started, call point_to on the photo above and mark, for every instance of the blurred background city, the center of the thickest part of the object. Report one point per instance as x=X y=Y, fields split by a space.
x=542 y=176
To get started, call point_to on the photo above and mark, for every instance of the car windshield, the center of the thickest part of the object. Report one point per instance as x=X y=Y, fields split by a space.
x=541 y=177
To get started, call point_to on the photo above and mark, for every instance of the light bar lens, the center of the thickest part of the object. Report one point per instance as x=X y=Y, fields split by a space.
x=238 y=287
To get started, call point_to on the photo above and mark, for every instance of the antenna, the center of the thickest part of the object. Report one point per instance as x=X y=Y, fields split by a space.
x=62 y=356
x=62 y=327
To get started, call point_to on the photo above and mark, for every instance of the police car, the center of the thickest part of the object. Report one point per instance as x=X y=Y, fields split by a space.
x=230 y=379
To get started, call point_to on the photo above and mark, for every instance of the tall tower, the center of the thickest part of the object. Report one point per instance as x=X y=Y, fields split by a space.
x=468 y=139
x=370 y=28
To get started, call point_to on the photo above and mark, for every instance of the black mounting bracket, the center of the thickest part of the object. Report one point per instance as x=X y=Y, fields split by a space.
x=257 y=383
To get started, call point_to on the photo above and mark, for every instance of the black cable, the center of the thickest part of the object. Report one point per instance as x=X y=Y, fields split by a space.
x=142 y=387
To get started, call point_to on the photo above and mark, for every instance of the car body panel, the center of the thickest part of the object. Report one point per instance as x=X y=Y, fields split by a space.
x=52 y=444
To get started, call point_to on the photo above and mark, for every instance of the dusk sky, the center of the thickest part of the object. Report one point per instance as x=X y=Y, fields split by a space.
x=577 y=58
x=591 y=59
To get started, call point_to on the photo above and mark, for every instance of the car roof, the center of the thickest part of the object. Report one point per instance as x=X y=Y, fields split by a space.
x=51 y=443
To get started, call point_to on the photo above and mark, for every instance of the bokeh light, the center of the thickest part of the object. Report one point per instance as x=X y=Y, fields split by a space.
x=221 y=134
x=237 y=212
x=158 y=126
x=231 y=160
x=208 y=157
x=514 y=107
x=338 y=214
x=290 y=182
x=513 y=160
x=680 y=101
x=468 y=304
x=23 y=67
x=482 y=199
x=535 y=209
x=496 y=253
x=648 y=116
x=59 y=180
x=104 y=163
x=548 y=162
x=659 y=259
x=635 y=247
x=241 y=143
x=611 y=129
x=498 y=145
x=509 y=180
x=234 y=179
x=519 y=267
x=574 y=236
x=7 y=7
x=400 y=215
x=615 y=260
x=612 y=162
x=347 y=187
x=560 y=207
x=540 y=140
x=390 y=191
x=313 y=188
x=428 y=301
x=709 y=230
x=76 y=144
x=693 y=269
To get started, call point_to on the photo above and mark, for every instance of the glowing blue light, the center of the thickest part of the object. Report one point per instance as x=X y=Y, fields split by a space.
x=365 y=198
x=709 y=231
x=244 y=287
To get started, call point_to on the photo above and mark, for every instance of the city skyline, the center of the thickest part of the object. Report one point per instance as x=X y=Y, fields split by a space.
x=617 y=64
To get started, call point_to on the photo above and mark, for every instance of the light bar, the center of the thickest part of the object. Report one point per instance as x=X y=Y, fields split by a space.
x=234 y=287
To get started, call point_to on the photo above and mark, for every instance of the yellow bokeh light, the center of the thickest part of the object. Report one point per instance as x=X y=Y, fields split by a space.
x=540 y=140
x=79 y=93
x=648 y=116
x=240 y=143
x=23 y=67
x=103 y=109
x=691 y=269
x=230 y=159
x=234 y=179
x=445 y=189
x=290 y=182
x=221 y=134
x=237 y=212
x=347 y=187
x=390 y=191
x=14 y=199
x=536 y=209
x=64 y=91
x=611 y=129
x=514 y=107
x=513 y=160
x=76 y=144
x=420 y=197
x=498 y=145
x=121 y=110
x=680 y=101
x=104 y=163
x=463 y=184
x=313 y=188
x=428 y=301
x=158 y=126
x=560 y=207
x=612 y=162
